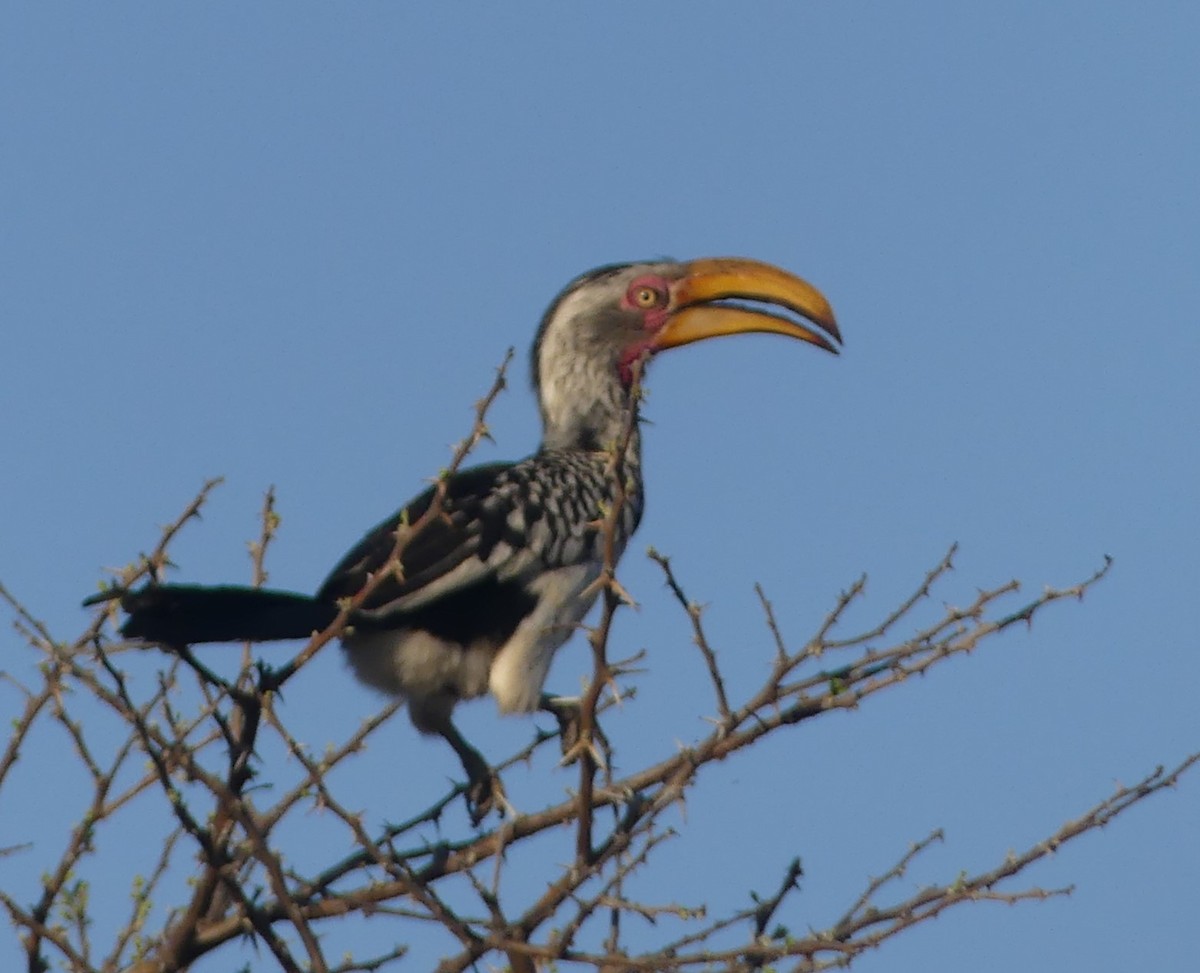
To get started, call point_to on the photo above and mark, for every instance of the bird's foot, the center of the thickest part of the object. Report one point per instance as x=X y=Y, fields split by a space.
x=485 y=794
x=567 y=710
x=485 y=790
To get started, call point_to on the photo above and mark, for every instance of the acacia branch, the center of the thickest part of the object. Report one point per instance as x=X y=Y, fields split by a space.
x=202 y=737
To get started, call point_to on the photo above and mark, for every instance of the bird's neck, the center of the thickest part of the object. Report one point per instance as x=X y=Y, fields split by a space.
x=598 y=419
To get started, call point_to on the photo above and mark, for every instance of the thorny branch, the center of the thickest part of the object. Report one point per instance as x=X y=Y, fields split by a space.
x=694 y=611
x=613 y=597
x=225 y=865
x=436 y=509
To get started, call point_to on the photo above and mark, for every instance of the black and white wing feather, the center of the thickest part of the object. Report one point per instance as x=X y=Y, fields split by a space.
x=501 y=526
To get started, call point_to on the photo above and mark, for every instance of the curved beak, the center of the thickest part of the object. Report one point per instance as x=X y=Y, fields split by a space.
x=707 y=297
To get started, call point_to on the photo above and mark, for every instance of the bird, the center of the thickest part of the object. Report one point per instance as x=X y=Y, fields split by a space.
x=479 y=598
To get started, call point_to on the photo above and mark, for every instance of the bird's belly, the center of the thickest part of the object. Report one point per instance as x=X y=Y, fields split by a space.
x=417 y=666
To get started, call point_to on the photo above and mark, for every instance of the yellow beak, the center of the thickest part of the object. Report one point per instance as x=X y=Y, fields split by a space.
x=707 y=282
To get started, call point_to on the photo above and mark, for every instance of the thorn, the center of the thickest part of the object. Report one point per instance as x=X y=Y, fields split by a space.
x=619 y=590
x=583 y=747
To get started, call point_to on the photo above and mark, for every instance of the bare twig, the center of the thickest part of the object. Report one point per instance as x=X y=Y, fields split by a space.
x=694 y=611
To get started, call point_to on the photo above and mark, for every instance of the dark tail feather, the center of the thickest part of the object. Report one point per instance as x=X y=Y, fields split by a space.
x=180 y=614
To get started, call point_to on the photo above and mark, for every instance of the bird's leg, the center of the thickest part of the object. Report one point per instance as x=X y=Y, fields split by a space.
x=484 y=789
x=567 y=710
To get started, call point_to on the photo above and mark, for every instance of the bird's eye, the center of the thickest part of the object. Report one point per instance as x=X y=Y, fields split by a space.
x=645 y=296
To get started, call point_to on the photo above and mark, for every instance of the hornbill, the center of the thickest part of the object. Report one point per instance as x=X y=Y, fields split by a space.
x=486 y=592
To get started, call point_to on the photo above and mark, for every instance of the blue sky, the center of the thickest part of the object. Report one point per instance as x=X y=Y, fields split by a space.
x=288 y=244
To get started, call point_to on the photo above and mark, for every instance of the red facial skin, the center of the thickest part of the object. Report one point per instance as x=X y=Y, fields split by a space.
x=654 y=317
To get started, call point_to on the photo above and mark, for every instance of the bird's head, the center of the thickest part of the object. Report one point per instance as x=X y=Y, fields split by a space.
x=607 y=320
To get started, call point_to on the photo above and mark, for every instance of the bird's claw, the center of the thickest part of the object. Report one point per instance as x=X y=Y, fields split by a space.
x=484 y=794
x=567 y=711
x=581 y=747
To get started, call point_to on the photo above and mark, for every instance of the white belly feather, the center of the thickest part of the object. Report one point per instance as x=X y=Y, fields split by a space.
x=433 y=674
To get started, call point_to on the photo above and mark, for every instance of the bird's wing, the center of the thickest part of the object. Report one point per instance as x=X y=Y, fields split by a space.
x=475 y=539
